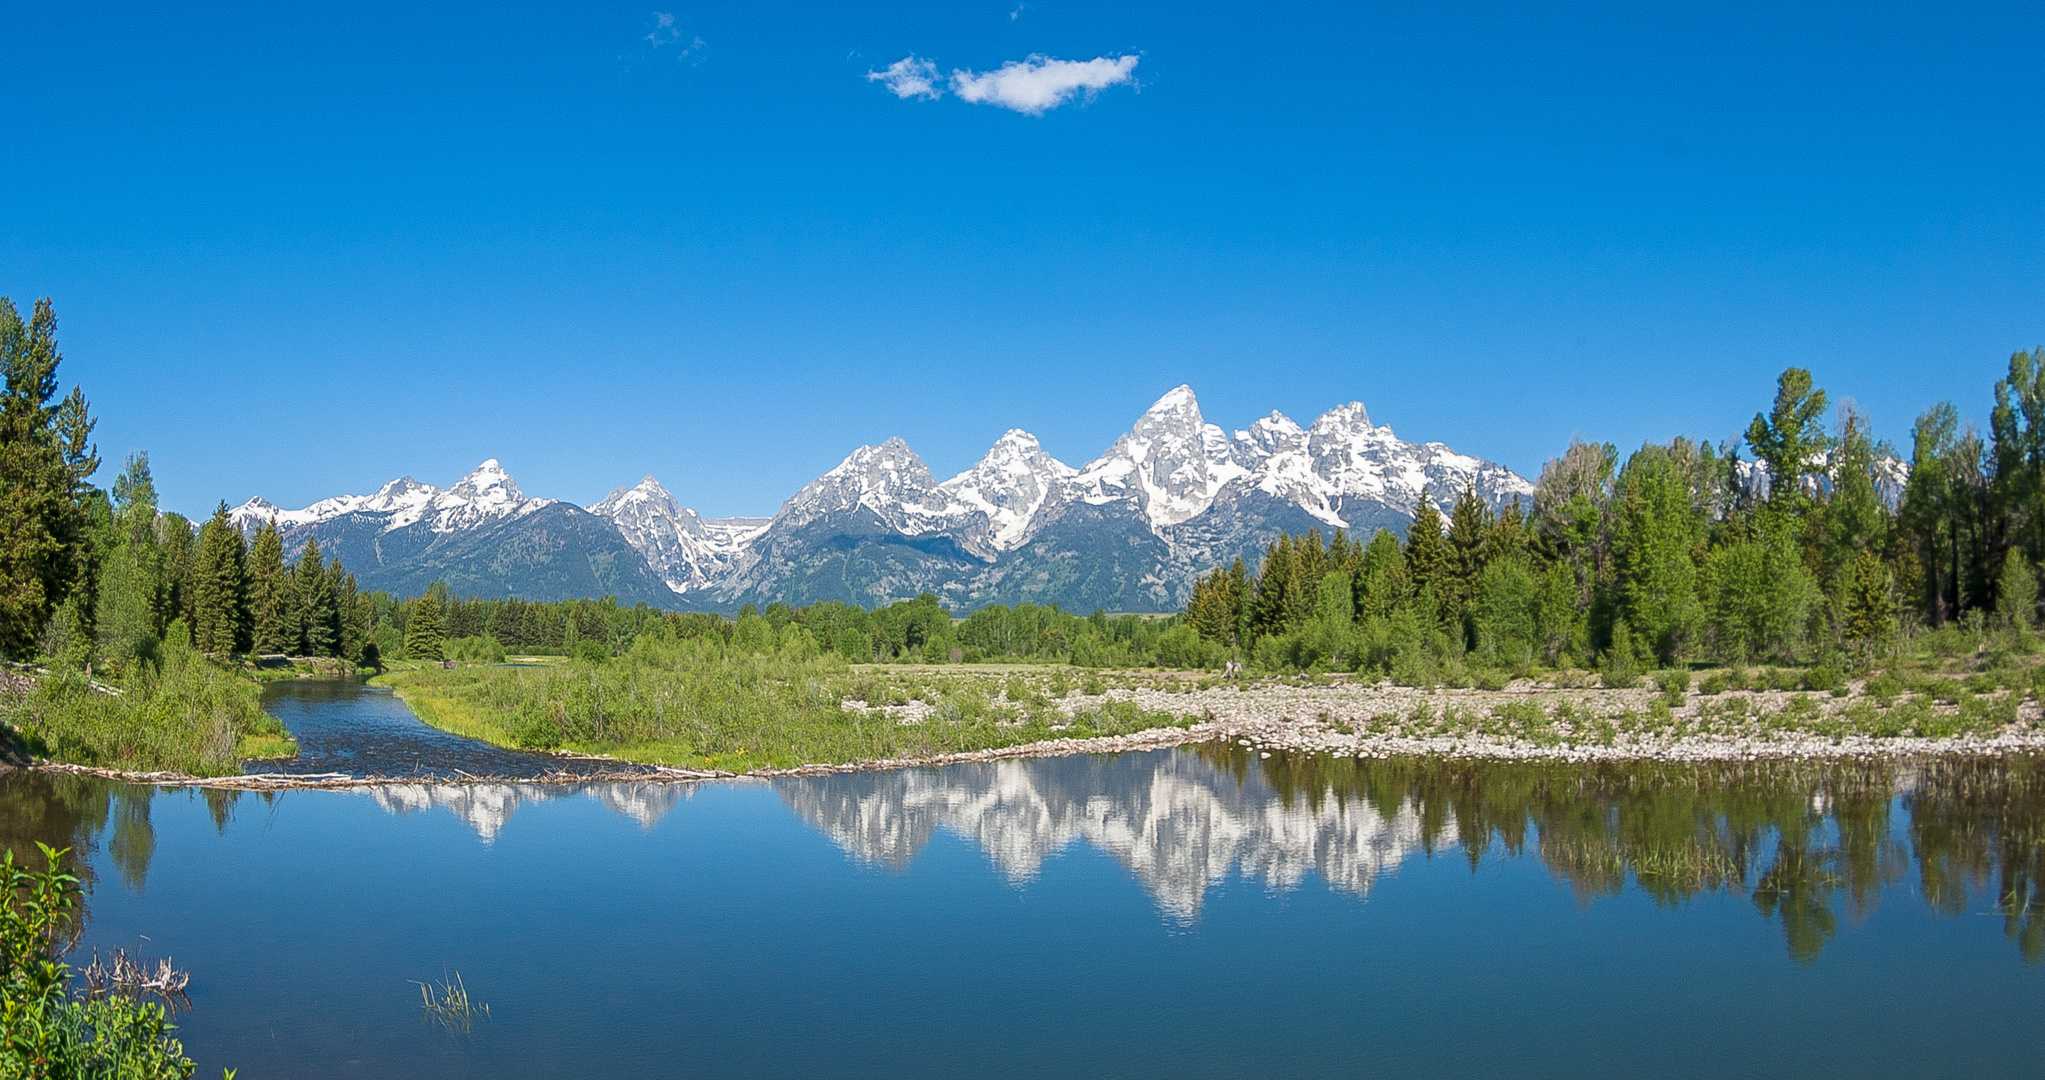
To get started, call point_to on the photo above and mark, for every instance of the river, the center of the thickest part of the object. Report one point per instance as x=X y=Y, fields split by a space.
x=1197 y=912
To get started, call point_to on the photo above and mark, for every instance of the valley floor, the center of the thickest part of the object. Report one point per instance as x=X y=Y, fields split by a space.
x=1525 y=720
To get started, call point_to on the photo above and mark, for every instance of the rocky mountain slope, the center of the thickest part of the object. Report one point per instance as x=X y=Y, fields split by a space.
x=1128 y=531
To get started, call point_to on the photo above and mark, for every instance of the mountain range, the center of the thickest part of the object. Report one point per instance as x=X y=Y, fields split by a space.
x=1128 y=531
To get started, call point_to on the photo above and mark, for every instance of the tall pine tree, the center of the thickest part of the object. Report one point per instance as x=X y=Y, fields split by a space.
x=319 y=621
x=220 y=622
x=267 y=589
x=1427 y=557
x=422 y=629
x=45 y=458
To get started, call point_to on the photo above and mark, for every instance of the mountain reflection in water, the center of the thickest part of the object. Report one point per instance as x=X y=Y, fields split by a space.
x=1809 y=844
x=1181 y=822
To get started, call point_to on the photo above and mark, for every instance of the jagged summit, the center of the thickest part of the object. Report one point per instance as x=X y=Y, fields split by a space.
x=485 y=494
x=1129 y=530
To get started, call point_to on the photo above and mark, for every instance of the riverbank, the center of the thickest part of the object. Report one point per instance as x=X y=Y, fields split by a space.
x=1526 y=720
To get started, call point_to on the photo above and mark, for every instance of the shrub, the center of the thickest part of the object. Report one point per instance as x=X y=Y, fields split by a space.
x=50 y=1031
x=1674 y=683
x=481 y=649
x=1884 y=688
x=189 y=715
x=1714 y=684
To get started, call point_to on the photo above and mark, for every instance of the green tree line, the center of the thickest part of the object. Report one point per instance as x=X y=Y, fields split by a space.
x=1681 y=552
x=922 y=630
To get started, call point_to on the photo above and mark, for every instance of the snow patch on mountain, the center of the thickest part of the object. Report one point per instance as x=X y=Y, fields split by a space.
x=1008 y=487
x=486 y=494
x=688 y=551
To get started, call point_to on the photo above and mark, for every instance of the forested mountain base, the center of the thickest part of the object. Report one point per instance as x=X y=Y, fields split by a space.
x=116 y=604
x=1817 y=555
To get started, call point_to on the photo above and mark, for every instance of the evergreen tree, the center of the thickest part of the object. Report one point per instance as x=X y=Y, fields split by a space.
x=219 y=588
x=1854 y=518
x=1507 y=538
x=422 y=629
x=1929 y=515
x=45 y=458
x=351 y=627
x=1469 y=527
x=1215 y=602
x=1268 y=615
x=178 y=556
x=267 y=590
x=1427 y=560
x=319 y=620
x=1381 y=583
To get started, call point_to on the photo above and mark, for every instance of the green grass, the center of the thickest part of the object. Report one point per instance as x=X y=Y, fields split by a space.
x=265 y=746
x=691 y=704
x=188 y=715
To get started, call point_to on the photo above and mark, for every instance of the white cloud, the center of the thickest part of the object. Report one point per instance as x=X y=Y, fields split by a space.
x=1039 y=84
x=664 y=29
x=908 y=78
x=666 y=32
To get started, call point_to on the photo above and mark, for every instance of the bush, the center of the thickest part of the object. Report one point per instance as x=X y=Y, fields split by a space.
x=1824 y=680
x=1714 y=684
x=1674 y=684
x=50 y=1031
x=534 y=729
x=481 y=649
x=187 y=716
x=592 y=652
x=1884 y=688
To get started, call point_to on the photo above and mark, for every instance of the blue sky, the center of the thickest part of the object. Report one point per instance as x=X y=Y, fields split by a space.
x=301 y=250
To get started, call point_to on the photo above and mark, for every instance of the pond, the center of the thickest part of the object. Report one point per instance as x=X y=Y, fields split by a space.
x=1201 y=912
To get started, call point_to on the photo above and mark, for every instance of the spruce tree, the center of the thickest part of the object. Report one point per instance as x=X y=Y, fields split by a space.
x=1274 y=584
x=1211 y=611
x=267 y=589
x=45 y=458
x=220 y=588
x=124 y=603
x=422 y=629
x=348 y=610
x=1380 y=576
x=1469 y=525
x=318 y=620
x=178 y=555
x=2016 y=593
x=1427 y=561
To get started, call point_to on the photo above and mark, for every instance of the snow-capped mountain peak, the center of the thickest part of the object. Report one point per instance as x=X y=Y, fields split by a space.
x=889 y=480
x=485 y=494
x=687 y=551
x=487 y=485
x=1009 y=486
x=1171 y=464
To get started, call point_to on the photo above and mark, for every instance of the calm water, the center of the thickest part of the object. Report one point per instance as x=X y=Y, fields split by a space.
x=1187 y=913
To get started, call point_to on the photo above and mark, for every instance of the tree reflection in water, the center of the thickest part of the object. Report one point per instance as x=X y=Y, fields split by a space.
x=1803 y=839
x=1808 y=843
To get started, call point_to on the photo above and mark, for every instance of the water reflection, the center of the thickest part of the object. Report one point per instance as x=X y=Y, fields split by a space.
x=487 y=808
x=1811 y=845
x=1180 y=822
